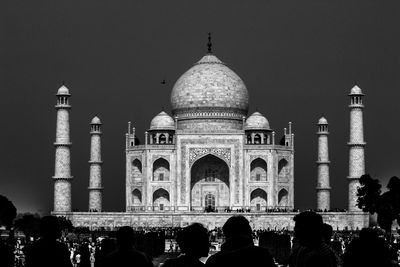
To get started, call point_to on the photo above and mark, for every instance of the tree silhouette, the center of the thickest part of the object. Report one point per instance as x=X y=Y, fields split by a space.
x=8 y=212
x=386 y=205
x=29 y=224
x=368 y=194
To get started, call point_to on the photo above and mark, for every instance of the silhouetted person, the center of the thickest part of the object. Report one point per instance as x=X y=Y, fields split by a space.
x=85 y=255
x=312 y=251
x=126 y=254
x=47 y=251
x=106 y=247
x=367 y=250
x=6 y=255
x=194 y=244
x=238 y=248
x=327 y=232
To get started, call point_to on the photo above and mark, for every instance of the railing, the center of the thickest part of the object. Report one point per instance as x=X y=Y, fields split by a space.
x=217 y=209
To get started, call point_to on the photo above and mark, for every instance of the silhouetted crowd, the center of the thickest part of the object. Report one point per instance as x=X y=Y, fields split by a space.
x=311 y=244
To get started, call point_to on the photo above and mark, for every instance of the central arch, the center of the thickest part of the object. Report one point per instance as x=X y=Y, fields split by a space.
x=209 y=178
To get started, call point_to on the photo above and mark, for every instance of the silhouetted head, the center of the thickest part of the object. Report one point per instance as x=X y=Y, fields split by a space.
x=368 y=235
x=327 y=232
x=193 y=241
x=237 y=226
x=50 y=227
x=125 y=237
x=308 y=228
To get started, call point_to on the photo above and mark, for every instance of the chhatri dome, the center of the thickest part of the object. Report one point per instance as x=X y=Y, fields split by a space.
x=162 y=121
x=322 y=120
x=63 y=90
x=356 y=90
x=257 y=121
x=95 y=120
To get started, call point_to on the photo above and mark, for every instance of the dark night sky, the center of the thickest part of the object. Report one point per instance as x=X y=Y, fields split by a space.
x=299 y=60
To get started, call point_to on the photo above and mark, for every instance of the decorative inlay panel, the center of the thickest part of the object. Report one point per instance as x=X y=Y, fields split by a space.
x=196 y=153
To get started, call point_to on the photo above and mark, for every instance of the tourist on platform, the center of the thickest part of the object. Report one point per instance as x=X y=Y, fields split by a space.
x=311 y=251
x=194 y=244
x=47 y=251
x=238 y=248
x=126 y=254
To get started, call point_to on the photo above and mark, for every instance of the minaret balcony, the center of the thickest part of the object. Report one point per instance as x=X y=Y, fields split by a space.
x=356 y=144
x=64 y=106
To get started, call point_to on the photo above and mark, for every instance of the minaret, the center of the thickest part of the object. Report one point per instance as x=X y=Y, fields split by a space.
x=323 y=188
x=62 y=172
x=95 y=188
x=356 y=145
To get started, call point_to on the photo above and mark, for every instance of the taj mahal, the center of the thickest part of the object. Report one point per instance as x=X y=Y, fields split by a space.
x=206 y=159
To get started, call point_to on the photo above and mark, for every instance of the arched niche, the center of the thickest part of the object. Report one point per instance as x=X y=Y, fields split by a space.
x=136 y=197
x=161 y=170
x=258 y=170
x=161 y=199
x=283 y=167
x=136 y=170
x=283 y=197
x=258 y=199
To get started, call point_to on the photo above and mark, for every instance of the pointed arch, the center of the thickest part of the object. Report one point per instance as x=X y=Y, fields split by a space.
x=136 y=197
x=257 y=139
x=161 y=199
x=136 y=170
x=282 y=167
x=258 y=170
x=283 y=197
x=259 y=199
x=209 y=175
x=161 y=170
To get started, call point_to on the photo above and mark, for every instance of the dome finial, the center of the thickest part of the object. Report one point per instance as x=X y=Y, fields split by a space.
x=209 y=44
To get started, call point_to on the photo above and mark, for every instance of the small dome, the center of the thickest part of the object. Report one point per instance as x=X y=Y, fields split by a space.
x=256 y=121
x=63 y=90
x=356 y=90
x=95 y=120
x=322 y=120
x=162 y=121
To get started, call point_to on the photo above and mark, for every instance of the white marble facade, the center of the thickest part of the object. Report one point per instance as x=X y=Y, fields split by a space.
x=209 y=153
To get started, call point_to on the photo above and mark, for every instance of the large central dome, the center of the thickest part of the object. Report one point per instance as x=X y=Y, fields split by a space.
x=209 y=88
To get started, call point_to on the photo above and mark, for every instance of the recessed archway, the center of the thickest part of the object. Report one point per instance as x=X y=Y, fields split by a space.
x=209 y=177
x=136 y=170
x=283 y=198
x=161 y=170
x=161 y=199
x=258 y=199
x=136 y=197
x=258 y=170
x=282 y=167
